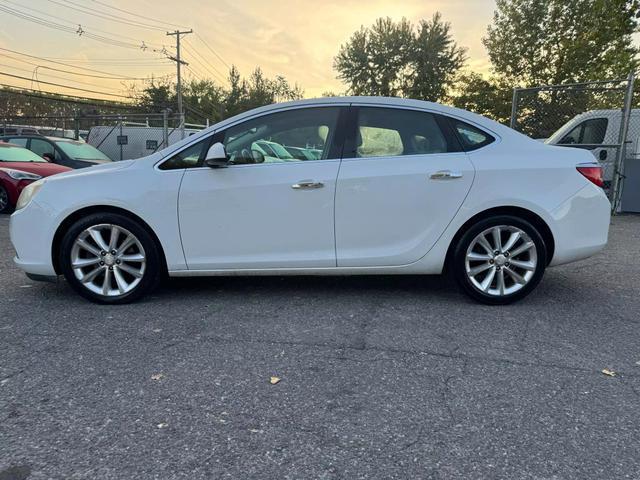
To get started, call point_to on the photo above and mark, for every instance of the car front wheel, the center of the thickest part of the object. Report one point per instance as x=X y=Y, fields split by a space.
x=500 y=260
x=110 y=258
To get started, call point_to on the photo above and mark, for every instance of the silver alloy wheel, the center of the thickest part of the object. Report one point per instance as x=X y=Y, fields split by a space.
x=108 y=260
x=501 y=260
x=4 y=198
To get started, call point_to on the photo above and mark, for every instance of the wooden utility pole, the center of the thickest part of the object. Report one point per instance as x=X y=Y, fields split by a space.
x=179 y=63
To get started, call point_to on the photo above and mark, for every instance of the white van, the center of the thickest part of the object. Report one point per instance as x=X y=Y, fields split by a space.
x=599 y=127
x=130 y=142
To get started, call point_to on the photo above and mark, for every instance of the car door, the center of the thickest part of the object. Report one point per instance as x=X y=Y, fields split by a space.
x=265 y=211
x=402 y=179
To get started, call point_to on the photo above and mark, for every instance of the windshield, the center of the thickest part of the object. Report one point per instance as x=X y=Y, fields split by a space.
x=81 y=151
x=11 y=153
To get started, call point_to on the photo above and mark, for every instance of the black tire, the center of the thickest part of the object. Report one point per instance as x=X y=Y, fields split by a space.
x=154 y=268
x=5 y=203
x=459 y=264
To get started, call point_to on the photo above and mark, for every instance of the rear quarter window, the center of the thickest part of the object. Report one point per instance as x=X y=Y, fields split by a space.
x=471 y=138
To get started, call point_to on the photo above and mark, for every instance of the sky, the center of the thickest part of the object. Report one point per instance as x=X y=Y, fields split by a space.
x=296 y=39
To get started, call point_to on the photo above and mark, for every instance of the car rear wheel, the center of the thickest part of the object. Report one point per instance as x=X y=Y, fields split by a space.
x=110 y=258
x=5 y=205
x=500 y=260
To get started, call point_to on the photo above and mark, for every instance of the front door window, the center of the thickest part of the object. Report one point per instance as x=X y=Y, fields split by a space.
x=291 y=136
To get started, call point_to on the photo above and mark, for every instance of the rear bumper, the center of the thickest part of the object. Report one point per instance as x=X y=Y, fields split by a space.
x=581 y=225
x=31 y=236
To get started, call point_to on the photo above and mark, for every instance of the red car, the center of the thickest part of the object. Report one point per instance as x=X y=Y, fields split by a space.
x=18 y=168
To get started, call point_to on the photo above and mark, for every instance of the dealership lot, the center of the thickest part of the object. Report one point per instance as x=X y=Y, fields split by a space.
x=381 y=377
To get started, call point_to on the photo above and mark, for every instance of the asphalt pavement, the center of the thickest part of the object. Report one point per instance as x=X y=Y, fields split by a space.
x=381 y=377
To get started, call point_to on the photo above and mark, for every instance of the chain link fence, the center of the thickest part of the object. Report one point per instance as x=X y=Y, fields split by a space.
x=121 y=131
x=119 y=136
x=596 y=116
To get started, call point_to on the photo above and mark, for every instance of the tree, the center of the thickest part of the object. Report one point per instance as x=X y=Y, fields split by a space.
x=205 y=99
x=256 y=91
x=437 y=58
x=535 y=42
x=489 y=97
x=398 y=59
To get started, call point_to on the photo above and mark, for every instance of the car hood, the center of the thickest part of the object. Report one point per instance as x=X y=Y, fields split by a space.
x=96 y=169
x=44 y=169
x=94 y=161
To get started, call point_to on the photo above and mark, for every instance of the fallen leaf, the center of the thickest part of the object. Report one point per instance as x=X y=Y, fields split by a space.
x=157 y=376
x=163 y=425
x=608 y=372
x=274 y=380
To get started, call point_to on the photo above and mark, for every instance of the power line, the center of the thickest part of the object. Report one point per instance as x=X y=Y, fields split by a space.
x=78 y=31
x=35 y=78
x=137 y=15
x=62 y=97
x=106 y=16
x=110 y=75
x=211 y=50
x=212 y=71
x=64 y=86
x=63 y=28
x=47 y=14
x=123 y=62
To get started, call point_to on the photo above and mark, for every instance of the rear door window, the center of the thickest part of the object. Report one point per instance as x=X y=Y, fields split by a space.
x=392 y=132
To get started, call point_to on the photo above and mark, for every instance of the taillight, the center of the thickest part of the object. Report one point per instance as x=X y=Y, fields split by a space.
x=593 y=173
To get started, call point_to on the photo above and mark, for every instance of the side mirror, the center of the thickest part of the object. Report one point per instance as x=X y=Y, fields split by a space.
x=216 y=156
x=48 y=157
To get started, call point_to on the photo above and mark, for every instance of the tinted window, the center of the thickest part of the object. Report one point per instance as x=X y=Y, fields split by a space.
x=386 y=132
x=81 y=151
x=21 y=142
x=187 y=158
x=9 y=153
x=588 y=132
x=40 y=147
x=471 y=137
x=269 y=139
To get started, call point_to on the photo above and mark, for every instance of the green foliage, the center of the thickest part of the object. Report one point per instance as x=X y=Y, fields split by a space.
x=398 y=59
x=550 y=42
x=537 y=42
x=489 y=97
x=205 y=99
x=256 y=91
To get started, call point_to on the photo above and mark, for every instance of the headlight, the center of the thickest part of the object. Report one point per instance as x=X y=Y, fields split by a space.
x=18 y=175
x=28 y=193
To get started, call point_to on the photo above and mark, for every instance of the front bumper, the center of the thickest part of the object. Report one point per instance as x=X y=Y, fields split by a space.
x=31 y=231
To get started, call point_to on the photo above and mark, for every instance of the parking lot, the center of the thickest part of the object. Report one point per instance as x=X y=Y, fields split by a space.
x=381 y=377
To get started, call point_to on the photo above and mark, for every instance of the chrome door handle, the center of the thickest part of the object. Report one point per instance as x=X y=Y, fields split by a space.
x=445 y=175
x=307 y=185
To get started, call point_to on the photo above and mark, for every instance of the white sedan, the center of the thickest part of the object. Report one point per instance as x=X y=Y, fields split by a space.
x=341 y=186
